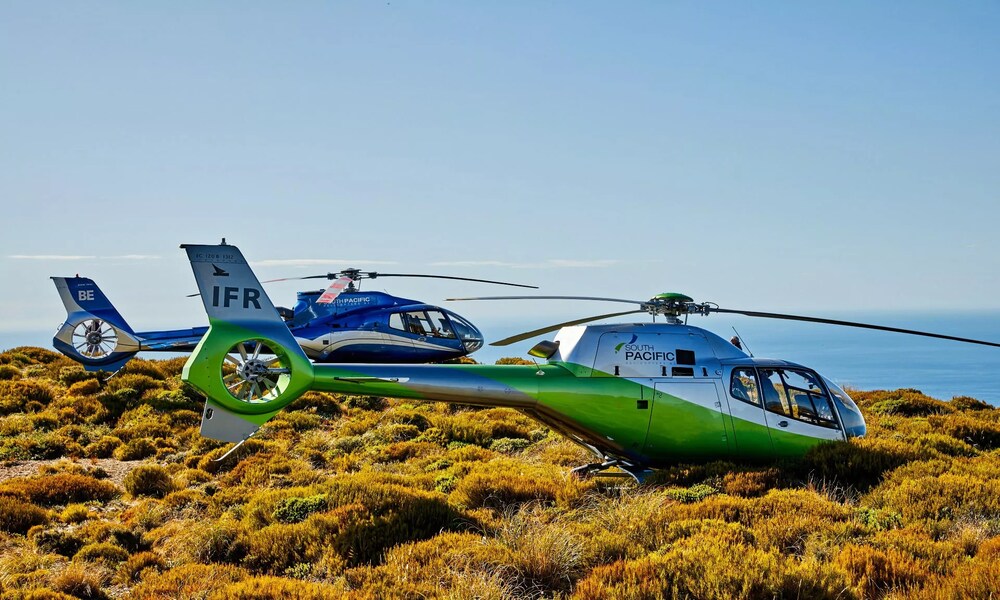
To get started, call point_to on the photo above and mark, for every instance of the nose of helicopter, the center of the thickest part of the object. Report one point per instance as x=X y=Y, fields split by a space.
x=473 y=340
x=854 y=421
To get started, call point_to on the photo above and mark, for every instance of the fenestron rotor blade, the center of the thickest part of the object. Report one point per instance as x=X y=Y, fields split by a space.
x=375 y=275
x=530 y=334
x=640 y=302
x=751 y=313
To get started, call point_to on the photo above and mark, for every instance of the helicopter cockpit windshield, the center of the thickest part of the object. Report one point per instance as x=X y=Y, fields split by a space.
x=438 y=324
x=471 y=338
x=850 y=414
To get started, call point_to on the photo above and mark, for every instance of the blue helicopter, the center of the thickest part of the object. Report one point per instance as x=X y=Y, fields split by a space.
x=337 y=325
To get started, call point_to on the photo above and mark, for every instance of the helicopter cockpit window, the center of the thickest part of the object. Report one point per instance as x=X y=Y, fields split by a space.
x=796 y=394
x=424 y=323
x=743 y=386
x=442 y=328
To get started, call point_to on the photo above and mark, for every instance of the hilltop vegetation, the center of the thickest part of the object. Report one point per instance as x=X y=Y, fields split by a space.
x=361 y=497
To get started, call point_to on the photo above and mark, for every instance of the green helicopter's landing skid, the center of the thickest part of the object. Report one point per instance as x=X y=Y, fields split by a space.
x=235 y=447
x=639 y=474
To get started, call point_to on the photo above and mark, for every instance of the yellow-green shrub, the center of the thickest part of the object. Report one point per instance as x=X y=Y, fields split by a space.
x=9 y=372
x=104 y=447
x=86 y=387
x=877 y=571
x=149 y=480
x=102 y=552
x=276 y=548
x=136 y=449
x=188 y=581
x=716 y=562
x=62 y=488
x=275 y=588
x=906 y=402
x=76 y=581
x=132 y=570
x=504 y=482
x=75 y=513
x=17 y=516
x=969 y=428
x=24 y=395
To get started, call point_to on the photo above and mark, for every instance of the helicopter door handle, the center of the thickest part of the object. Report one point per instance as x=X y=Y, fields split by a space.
x=421 y=339
x=782 y=423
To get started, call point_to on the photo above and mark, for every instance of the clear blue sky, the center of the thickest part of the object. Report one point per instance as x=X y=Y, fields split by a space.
x=769 y=155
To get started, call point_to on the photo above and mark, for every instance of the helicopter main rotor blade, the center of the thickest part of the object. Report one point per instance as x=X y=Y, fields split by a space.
x=336 y=288
x=530 y=334
x=375 y=275
x=639 y=302
x=751 y=313
x=297 y=278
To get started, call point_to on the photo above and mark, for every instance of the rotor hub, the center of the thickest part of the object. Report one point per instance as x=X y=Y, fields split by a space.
x=253 y=370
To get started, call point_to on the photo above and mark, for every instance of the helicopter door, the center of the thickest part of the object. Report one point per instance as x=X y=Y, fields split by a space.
x=749 y=421
x=797 y=409
x=398 y=337
x=686 y=421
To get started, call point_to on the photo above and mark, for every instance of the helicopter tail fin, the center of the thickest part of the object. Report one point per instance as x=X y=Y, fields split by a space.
x=248 y=364
x=94 y=333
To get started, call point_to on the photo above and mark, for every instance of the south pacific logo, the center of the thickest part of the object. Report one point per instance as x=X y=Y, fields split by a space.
x=631 y=341
x=643 y=352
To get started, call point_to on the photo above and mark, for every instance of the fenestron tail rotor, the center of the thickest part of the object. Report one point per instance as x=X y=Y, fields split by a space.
x=252 y=373
x=94 y=338
x=674 y=305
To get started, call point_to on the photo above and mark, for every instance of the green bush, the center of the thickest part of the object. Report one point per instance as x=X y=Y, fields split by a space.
x=294 y=510
x=366 y=402
x=695 y=493
x=149 y=480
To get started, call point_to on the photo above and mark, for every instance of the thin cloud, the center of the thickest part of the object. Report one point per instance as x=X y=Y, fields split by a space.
x=312 y=262
x=82 y=257
x=50 y=257
x=548 y=263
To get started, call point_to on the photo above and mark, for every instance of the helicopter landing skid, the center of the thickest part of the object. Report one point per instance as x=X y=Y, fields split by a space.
x=639 y=474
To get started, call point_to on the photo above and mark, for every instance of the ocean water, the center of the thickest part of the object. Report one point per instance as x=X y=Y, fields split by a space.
x=850 y=357
x=859 y=358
